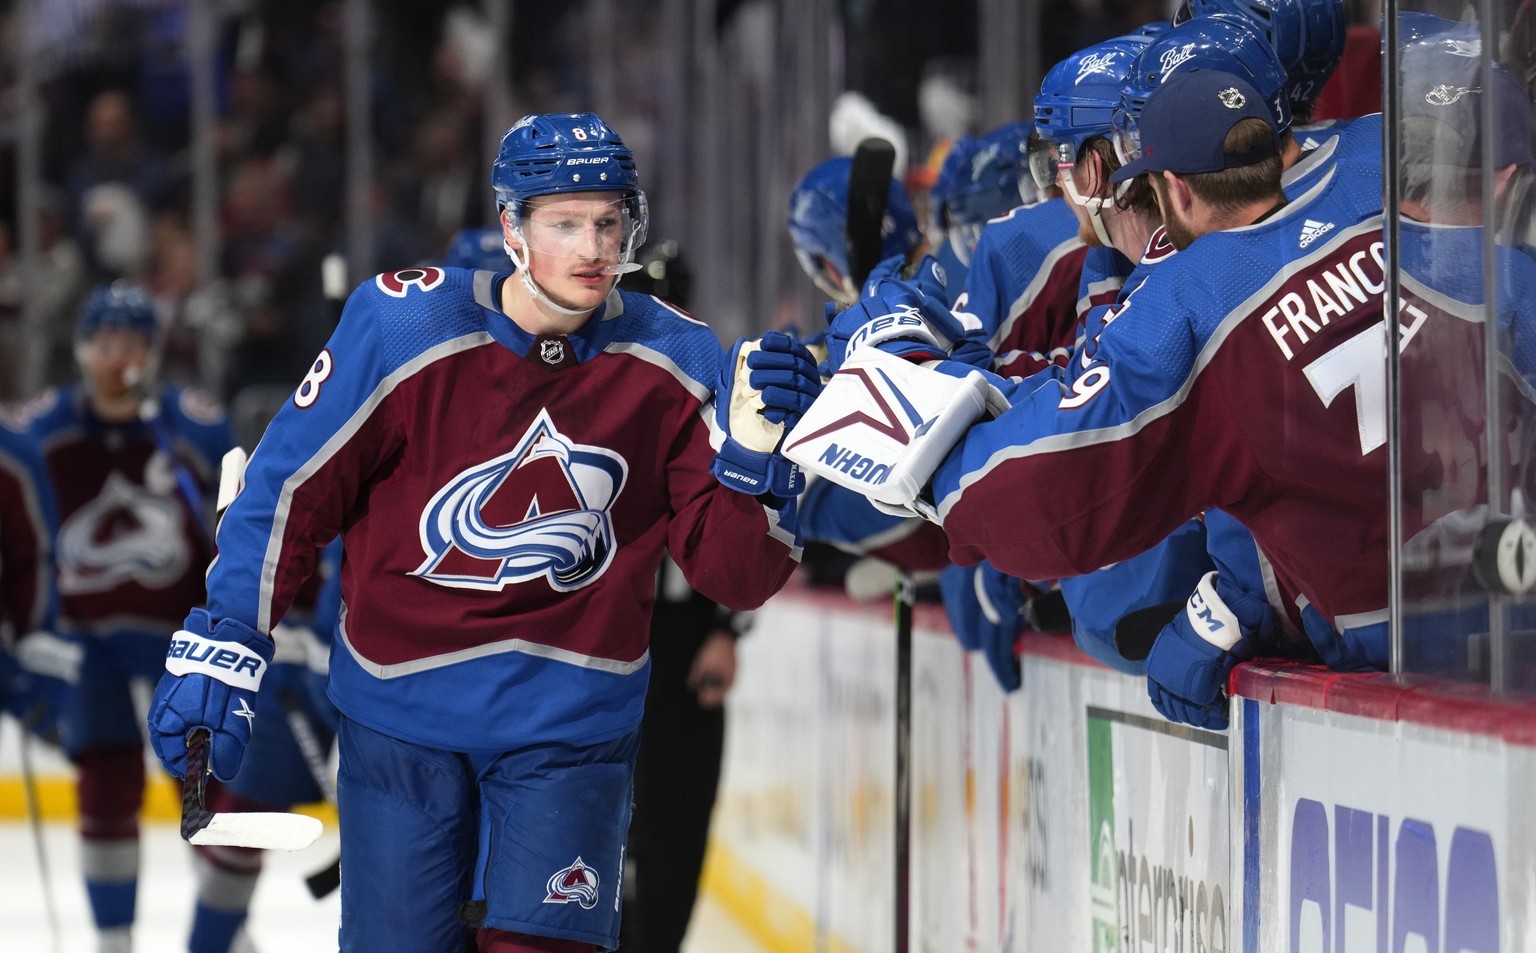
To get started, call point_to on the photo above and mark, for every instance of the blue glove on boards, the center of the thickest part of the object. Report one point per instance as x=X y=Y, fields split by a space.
x=986 y=610
x=764 y=388
x=212 y=673
x=1187 y=669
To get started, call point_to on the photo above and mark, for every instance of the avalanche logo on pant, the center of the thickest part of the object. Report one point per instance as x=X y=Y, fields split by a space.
x=575 y=884
x=543 y=510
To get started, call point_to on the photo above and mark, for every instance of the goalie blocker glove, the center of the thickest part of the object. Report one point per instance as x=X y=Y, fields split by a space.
x=1221 y=625
x=212 y=673
x=883 y=425
x=765 y=387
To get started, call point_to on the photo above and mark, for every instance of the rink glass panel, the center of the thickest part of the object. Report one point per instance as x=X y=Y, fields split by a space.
x=1466 y=407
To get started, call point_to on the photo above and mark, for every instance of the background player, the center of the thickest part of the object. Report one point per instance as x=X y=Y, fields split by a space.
x=131 y=468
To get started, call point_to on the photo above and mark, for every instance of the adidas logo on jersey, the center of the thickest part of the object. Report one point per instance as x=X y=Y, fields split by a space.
x=1311 y=231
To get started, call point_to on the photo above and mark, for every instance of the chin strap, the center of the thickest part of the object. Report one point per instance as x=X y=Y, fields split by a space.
x=525 y=275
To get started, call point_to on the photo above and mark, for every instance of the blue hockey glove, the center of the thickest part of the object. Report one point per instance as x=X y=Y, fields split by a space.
x=763 y=389
x=986 y=610
x=212 y=673
x=1221 y=625
x=40 y=679
x=899 y=319
x=784 y=370
x=927 y=276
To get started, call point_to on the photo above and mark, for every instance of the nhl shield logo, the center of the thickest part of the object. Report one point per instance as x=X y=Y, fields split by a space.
x=575 y=884
x=1231 y=98
x=1444 y=95
x=552 y=352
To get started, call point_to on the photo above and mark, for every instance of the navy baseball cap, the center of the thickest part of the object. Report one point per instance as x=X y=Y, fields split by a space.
x=1443 y=80
x=1187 y=118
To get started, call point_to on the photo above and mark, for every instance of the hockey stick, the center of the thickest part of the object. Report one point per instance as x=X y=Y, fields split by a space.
x=904 y=597
x=266 y=830
x=35 y=821
x=325 y=880
x=869 y=188
x=1136 y=631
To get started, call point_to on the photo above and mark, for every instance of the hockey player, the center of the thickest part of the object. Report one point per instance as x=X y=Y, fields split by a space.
x=818 y=228
x=1218 y=400
x=38 y=668
x=507 y=458
x=982 y=178
x=131 y=470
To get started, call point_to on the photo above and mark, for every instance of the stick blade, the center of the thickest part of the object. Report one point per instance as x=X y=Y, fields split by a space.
x=322 y=882
x=268 y=831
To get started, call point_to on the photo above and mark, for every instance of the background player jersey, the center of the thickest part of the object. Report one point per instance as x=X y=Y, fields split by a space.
x=132 y=546
x=1023 y=286
x=1165 y=423
x=28 y=518
x=504 y=503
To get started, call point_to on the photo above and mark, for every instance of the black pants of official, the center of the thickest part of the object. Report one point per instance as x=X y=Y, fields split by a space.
x=675 y=780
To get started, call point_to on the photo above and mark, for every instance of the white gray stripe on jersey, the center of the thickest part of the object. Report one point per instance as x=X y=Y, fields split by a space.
x=1096 y=288
x=653 y=356
x=401 y=669
x=1320 y=155
x=338 y=440
x=1057 y=443
x=776 y=531
x=1032 y=291
x=1273 y=596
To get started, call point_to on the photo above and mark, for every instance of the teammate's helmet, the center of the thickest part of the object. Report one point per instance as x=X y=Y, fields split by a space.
x=1414 y=25
x=1221 y=42
x=1077 y=101
x=1443 y=84
x=982 y=177
x=818 y=220
x=569 y=152
x=117 y=305
x=1308 y=36
x=481 y=248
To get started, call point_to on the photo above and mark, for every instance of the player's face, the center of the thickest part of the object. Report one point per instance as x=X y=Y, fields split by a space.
x=574 y=241
x=1180 y=234
x=112 y=360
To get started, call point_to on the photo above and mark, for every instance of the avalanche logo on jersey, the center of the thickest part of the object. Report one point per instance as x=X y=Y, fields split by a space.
x=126 y=534
x=575 y=884
x=543 y=510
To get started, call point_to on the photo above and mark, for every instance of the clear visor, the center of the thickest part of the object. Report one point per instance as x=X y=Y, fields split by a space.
x=963 y=237
x=1047 y=158
x=605 y=233
x=1042 y=161
x=1125 y=136
x=811 y=265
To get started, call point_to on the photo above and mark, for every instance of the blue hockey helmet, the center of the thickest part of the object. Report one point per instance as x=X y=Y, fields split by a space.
x=1443 y=81
x=1077 y=101
x=1308 y=36
x=1222 y=42
x=818 y=223
x=1414 y=25
x=562 y=153
x=119 y=304
x=482 y=248
x=982 y=177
